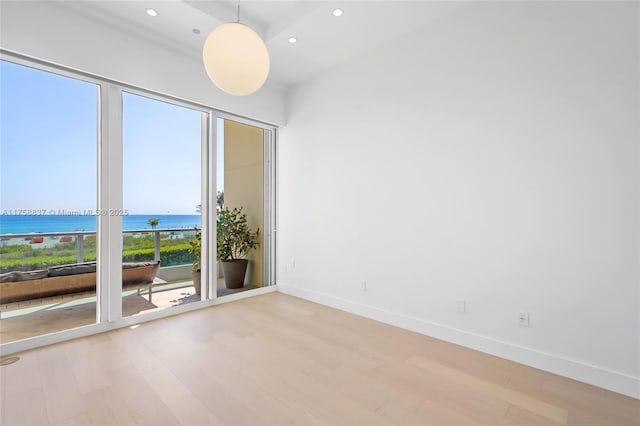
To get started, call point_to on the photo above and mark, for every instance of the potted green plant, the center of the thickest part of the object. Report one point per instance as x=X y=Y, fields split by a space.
x=196 y=250
x=234 y=240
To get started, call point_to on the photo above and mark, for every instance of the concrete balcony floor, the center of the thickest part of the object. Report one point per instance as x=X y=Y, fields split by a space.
x=49 y=315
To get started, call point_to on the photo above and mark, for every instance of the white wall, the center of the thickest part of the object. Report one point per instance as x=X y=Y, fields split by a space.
x=50 y=32
x=491 y=157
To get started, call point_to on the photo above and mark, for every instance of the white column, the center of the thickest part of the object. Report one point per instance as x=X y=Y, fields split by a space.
x=109 y=248
x=208 y=263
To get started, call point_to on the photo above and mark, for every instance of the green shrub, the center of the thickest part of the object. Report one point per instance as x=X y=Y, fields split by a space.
x=35 y=263
x=15 y=248
x=169 y=256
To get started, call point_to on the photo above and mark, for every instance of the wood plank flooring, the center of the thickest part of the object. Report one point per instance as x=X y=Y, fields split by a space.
x=279 y=360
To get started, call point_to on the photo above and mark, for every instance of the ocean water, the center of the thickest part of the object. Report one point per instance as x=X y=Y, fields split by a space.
x=19 y=224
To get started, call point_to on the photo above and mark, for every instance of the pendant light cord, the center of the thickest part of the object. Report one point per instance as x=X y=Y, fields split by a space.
x=238 y=12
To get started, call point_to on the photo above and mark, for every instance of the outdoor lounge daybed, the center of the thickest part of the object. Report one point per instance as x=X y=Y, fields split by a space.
x=67 y=279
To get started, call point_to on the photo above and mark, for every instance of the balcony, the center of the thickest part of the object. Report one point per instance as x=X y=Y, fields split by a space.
x=74 y=307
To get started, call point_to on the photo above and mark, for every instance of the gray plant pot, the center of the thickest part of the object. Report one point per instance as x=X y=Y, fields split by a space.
x=234 y=272
x=197 y=281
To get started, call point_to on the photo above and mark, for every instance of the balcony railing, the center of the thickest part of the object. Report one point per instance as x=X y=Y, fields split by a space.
x=46 y=243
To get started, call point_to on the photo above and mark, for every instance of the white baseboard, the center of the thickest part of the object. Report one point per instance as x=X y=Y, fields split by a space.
x=597 y=376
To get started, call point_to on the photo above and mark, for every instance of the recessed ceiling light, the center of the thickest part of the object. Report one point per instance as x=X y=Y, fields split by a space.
x=337 y=12
x=195 y=31
x=152 y=12
x=293 y=40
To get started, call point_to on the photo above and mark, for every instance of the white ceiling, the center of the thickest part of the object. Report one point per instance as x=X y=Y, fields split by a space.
x=324 y=41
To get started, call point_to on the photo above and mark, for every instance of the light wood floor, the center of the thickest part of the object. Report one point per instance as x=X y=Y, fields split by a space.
x=278 y=360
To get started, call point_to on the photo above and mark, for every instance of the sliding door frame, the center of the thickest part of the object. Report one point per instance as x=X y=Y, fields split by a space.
x=207 y=182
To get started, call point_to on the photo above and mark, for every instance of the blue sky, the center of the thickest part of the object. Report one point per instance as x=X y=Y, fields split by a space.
x=48 y=147
x=47 y=140
x=161 y=157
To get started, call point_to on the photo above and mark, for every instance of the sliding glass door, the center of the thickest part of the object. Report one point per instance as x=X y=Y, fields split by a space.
x=48 y=202
x=113 y=204
x=244 y=191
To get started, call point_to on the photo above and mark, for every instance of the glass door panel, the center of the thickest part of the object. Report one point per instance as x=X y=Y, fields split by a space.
x=48 y=200
x=162 y=181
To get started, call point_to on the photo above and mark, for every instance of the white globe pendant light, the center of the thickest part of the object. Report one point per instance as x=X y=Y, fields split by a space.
x=235 y=58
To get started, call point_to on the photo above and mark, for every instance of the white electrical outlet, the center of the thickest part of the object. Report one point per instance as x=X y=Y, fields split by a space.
x=523 y=319
x=461 y=306
x=363 y=285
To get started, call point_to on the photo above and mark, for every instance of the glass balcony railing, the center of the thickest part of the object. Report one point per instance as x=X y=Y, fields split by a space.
x=37 y=251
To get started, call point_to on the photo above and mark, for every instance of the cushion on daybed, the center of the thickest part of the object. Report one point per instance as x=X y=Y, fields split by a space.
x=136 y=272
x=31 y=275
x=79 y=268
x=8 y=277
